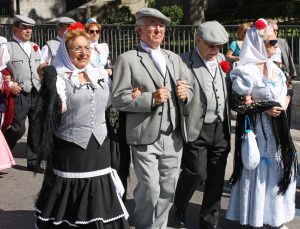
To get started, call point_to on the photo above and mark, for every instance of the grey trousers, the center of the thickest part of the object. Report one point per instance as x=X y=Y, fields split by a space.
x=157 y=168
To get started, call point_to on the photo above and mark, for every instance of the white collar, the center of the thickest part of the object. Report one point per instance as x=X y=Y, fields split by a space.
x=20 y=41
x=147 y=48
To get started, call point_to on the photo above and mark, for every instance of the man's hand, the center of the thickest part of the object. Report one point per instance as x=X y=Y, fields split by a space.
x=275 y=111
x=15 y=88
x=181 y=90
x=160 y=96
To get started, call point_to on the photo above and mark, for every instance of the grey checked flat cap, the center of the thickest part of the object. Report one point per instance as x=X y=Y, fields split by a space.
x=213 y=32
x=65 y=20
x=24 y=20
x=150 y=12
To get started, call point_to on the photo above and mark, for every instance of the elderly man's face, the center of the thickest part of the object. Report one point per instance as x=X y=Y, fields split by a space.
x=23 y=32
x=152 y=32
x=208 y=51
x=61 y=29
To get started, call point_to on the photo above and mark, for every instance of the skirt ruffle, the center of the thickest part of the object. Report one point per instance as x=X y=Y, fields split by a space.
x=73 y=201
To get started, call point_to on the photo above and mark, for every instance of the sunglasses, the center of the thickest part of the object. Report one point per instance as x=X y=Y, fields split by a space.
x=271 y=42
x=94 y=31
x=211 y=46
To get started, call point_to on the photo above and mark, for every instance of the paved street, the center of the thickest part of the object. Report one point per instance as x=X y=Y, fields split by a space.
x=19 y=188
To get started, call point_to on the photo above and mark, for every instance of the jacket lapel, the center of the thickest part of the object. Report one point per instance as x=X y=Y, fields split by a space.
x=199 y=70
x=170 y=65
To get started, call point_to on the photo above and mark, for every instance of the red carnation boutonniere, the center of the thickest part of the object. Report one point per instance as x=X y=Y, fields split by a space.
x=225 y=66
x=35 y=47
x=5 y=72
x=76 y=25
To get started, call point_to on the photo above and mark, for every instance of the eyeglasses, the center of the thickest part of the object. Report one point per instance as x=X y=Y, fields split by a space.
x=271 y=42
x=94 y=31
x=81 y=49
x=154 y=26
x=212 y=46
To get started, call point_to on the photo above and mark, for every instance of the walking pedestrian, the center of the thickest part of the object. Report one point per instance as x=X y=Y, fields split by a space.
x=208 y=126
x=150 y=85
x=24 y=59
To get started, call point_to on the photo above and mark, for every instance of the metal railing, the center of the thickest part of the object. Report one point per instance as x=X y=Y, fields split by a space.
x=178 y=39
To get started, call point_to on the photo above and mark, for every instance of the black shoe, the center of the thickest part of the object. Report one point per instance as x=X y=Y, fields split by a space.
x=35 y=169
x=206 y=226
x=179 y=219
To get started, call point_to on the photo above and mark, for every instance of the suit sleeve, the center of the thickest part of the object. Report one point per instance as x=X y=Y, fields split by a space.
x=185 y=75
x=292 y=69
x=122 y=90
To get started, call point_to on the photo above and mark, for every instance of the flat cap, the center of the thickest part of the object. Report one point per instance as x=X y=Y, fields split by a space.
x=65 y=20
x=24 y=20
x=213 y=32
x=150 y=12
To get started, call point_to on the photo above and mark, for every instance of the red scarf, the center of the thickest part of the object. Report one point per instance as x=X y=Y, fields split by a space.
x=9 y=106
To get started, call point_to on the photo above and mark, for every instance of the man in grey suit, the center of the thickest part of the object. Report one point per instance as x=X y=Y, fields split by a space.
x=150 y=86
x=284 y=59
x=208 y=127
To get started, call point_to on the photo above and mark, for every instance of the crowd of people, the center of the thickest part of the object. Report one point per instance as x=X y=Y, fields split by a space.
x=174 y=118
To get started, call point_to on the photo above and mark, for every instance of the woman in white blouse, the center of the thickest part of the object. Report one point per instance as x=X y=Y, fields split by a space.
x=100 y=52
x=264 y=195
x=80 y=189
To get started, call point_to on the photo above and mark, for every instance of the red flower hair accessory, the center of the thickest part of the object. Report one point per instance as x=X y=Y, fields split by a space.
x=261 y=26
x=225 y=66
x=35 y=47
x=76 y=25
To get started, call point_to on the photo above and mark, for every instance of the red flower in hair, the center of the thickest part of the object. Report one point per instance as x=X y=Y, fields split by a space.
x=5 y=72
x=261 y=24
x=225 y=66
x=76 y=25
x=35 y=47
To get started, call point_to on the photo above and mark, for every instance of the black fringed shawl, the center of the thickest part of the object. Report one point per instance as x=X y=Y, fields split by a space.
x=282 y=135
x=48 y=110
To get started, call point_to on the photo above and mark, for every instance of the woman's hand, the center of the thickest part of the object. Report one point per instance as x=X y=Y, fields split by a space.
x=248 y=100
x=275 y=111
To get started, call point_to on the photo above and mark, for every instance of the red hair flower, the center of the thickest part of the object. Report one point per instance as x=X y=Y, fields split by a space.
x=225 y=66
x=35 y=47
x=5 y=72
x=261 y=24
x=76 y=25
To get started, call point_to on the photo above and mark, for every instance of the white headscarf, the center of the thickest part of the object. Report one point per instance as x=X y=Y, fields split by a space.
x=63 y=64
x=253 y=50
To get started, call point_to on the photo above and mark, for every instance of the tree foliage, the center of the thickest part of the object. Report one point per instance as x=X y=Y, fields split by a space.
x=174 y=12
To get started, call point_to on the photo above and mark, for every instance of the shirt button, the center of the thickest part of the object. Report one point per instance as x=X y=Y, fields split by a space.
x=218 y=97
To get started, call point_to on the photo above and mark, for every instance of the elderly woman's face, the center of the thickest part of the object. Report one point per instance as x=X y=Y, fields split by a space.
x=79 y=52
x=270 y=42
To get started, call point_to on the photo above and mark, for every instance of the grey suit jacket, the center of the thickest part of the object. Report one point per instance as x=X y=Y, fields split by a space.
x=136 y=69
x=287 y=57
x=198 y=105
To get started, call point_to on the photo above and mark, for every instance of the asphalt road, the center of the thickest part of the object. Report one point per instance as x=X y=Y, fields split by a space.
x=19 y=188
